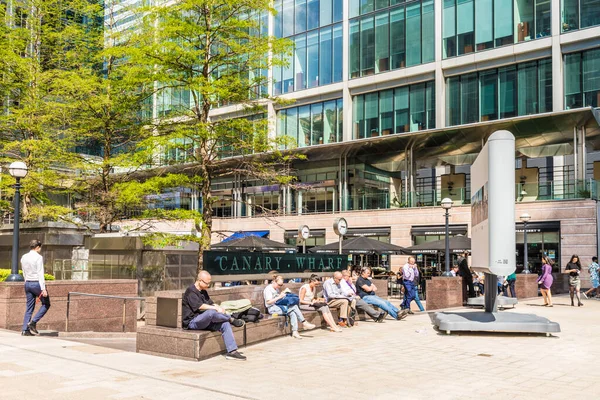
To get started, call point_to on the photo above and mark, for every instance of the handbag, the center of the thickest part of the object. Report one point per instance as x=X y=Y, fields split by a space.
x=318 y=304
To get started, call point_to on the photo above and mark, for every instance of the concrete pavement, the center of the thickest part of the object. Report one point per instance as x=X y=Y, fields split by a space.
x=407 y=360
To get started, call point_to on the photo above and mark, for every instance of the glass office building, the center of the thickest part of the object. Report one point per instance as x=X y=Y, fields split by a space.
x=391 y=101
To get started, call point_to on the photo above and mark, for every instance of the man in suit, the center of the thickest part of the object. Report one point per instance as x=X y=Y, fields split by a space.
x=465 y=273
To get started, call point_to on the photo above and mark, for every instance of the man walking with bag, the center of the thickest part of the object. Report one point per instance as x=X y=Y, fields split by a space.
x=32 y=265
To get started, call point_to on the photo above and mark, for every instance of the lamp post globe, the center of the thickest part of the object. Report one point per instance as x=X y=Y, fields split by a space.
x=525 y=218
x=446 y=204
x=18 y=170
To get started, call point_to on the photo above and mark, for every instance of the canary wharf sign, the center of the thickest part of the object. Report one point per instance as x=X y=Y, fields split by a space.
x=231 y=263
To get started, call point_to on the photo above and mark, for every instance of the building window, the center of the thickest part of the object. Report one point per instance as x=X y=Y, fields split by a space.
x=317 y=55
x=313 y=124
x=404 y=109
x=521 y=89
x=396 y=37
x=470 y=26
x=582 y=79
x=579 y=14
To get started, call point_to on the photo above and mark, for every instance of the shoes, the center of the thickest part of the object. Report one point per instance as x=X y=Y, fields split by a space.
x=410 y=312
x=580 y=304
x=27 y=333
x=584 y=295
x=343 y=324
x=296 y=335
x=336 y=329
x=549 y=305
x=351 y=321
x=32 y=327
x=238 y=322
x=308 y=325
x=381 y=317
x=235 y=355
x=403 y=314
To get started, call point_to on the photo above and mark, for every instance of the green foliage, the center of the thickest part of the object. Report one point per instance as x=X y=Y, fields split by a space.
x=4 y=273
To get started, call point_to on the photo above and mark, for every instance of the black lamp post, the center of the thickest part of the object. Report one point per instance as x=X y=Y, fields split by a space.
x=17 y=170
x=525 y=218
x=447 y=205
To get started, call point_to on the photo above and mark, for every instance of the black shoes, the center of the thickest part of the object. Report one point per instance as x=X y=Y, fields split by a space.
x=402 y=315
x=381 y=317
x=235 y=355
x=410 y=312
x=27 y=333
x=32 y=327
x=237 y=323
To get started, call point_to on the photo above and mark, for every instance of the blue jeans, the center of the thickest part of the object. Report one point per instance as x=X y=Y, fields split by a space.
x=32 y=291
x=293 y=312
x=409 y=294
x=212 y=320
x=381 y=303
x=418 y=301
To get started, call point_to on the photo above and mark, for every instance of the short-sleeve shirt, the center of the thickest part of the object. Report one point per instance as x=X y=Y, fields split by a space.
x=360 y=282
x=573 y=266
x=193 y=299
x=269 y=294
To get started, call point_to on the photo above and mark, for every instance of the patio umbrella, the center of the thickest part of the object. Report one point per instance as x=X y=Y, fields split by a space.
x=252 y=243
x=458 y=244
x=359 y=245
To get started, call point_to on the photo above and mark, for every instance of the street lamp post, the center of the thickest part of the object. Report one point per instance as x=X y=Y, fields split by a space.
x=525 y=218
x=447 y=205
x=17 y=170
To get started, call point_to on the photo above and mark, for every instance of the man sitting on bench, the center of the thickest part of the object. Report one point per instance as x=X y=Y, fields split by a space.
x=199 y=312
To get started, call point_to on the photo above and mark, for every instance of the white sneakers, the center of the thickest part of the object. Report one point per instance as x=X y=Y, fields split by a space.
x=308 y=325
x=296 y=335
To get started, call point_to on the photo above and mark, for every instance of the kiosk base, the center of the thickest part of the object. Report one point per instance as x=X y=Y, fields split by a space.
x=494 y=322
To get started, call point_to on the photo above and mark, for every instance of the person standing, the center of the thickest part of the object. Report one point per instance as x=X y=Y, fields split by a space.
x=411 y=278
x=594 y=277
x=511 y=280
x=32 y=265
x=573 y=268
x=199 y=312
x=465 y=272
x=545 y=281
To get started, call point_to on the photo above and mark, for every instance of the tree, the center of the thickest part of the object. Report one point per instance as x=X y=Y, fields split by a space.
x=204 y=54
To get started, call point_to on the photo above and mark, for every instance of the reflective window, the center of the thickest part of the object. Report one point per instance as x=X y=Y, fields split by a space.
x=579 y=14
x=506 y=92
x=404 y=109
x=390 y=38
x=582 y=79
x=309 y=125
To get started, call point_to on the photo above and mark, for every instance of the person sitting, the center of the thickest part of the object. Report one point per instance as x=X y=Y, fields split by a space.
x=366 y=290
x=272 y=295
x=308 y=302
x=336 y=298
x=199 y=312
x=350 y=290
x=478 y=281
x=454 y=270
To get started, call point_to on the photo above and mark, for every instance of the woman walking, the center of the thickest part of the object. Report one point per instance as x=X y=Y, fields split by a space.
x=593 y=270
x=308 y=302
x=545 y=281
x=573 y=268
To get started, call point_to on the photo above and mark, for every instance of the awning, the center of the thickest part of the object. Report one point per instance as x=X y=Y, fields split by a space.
x=353 y=232
x=243 y=234
x=436 y=230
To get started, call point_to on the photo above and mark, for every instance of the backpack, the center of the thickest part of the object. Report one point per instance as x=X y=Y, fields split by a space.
x=250 y=315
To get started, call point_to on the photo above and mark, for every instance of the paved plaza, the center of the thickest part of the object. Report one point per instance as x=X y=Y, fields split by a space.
x=393 y=360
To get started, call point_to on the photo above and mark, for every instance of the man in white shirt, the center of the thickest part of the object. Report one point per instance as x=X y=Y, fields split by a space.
x=272 y=296
x=32 y=265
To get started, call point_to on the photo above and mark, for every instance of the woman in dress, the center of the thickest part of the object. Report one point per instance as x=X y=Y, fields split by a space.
x=573 y=268
x=545 y=281
x=308 y=302
x=594 y=270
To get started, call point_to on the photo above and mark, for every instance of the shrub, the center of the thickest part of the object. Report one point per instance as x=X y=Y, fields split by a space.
x=4 y=273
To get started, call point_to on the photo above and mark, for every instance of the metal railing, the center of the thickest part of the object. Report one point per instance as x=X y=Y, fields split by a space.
x=124 y=298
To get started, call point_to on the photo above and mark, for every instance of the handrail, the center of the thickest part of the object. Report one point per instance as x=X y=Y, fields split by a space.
x=124 y=298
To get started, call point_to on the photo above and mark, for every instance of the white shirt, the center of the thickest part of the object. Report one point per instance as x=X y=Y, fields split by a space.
x=32 y=265
x=269 y=294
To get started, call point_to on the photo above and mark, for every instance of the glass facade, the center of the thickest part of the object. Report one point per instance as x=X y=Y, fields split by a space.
x=391 y=37
x=506 y=92
x=582 y=79
x=470 y=26
x=313 y=28
x=403 y=109
x=309 y=125
x=579 y=14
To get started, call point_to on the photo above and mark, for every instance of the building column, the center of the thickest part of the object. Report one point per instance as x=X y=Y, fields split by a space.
x=299 y=203
x=440 y=84
x=558 y=97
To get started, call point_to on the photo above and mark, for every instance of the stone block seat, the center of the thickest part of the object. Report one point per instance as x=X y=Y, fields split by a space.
x=163 y=334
